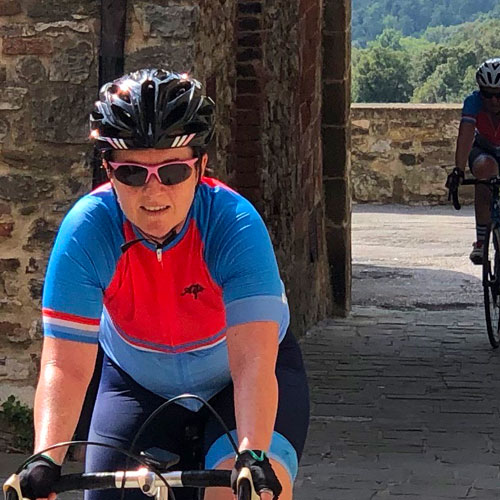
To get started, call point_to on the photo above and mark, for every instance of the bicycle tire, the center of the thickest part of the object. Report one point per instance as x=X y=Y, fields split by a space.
x=491 y=286
x=244 y=490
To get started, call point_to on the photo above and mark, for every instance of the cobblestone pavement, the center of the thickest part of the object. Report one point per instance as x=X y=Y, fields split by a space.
x=405 y=391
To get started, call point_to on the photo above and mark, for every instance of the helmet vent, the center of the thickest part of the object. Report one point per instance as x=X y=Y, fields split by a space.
x=179 y=90
x=123 y=116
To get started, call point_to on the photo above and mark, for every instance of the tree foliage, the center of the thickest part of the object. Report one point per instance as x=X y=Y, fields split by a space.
x=438 y=66
x=413 y=17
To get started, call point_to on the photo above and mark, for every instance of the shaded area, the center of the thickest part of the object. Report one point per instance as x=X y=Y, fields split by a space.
x=407 y=289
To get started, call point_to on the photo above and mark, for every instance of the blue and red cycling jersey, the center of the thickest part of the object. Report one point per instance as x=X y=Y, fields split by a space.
x=487 y=132
x=162 y=315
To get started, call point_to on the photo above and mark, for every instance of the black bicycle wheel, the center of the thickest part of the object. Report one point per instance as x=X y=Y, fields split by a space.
x=491 y=286
x=244 y=490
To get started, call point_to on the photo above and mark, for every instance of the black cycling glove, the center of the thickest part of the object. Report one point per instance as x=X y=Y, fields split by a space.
x=263 y=476
x=455 y=179
x=38 y=478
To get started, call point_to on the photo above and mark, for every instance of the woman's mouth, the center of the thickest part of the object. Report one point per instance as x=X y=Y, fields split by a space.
x=158 y=209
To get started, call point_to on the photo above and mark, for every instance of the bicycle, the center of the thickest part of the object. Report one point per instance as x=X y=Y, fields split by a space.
x=153 y=478
x=491 y=259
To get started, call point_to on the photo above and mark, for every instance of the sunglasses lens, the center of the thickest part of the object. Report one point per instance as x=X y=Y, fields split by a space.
x=131 y=175
x=174 y=173
x=490 y=95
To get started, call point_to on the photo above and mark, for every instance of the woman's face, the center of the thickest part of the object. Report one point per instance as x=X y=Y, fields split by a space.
x=492 y=103
x=155 y=208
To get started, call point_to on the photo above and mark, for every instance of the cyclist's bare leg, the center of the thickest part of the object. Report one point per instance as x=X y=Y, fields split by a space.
x=226 y=494
x=484 y=167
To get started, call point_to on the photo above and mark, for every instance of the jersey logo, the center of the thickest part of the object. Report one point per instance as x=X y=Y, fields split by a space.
x=195 y=289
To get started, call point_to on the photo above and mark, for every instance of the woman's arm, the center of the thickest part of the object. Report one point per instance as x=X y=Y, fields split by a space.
x=252 y=349
x=66 y=371
x=464 y=143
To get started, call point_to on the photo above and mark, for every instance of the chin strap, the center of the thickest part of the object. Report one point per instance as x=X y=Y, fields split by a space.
x=159 y=246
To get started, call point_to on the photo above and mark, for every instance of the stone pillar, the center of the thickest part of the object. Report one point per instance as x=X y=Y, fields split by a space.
x=336 y=147
x=277 y=154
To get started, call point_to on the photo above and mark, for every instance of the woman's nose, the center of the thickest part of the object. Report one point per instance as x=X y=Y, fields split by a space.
x=153 y=182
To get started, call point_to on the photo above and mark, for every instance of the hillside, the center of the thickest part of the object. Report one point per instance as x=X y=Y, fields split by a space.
x=413 y=17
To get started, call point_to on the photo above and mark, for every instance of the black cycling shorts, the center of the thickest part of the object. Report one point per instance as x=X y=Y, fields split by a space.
x=476 y=152
x=122 y=406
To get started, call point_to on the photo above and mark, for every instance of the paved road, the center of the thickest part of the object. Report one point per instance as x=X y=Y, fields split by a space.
x=405 y=391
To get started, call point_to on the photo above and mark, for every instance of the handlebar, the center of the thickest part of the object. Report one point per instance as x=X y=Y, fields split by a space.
x=493 y=181
x=148 y=482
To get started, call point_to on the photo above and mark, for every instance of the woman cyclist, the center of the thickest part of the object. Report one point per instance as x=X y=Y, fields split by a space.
x=174 y=275
x=478 y=144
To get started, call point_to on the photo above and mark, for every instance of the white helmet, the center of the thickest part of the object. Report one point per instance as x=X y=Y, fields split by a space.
x=488 y=74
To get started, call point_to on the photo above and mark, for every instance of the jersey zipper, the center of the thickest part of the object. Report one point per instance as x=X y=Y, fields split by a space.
x=159 y=253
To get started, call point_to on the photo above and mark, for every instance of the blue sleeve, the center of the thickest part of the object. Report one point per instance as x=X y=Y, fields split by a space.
x=80 y=267
x=242 y=261
x=471 y=108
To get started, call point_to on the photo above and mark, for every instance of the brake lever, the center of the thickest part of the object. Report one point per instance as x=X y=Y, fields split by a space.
x=246 y=475
x=12 y=488
x=456 y=202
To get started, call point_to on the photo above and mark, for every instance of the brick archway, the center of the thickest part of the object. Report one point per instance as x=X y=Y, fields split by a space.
x=336 y=147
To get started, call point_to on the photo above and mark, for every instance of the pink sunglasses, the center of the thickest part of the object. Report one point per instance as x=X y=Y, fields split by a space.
x=138 y=174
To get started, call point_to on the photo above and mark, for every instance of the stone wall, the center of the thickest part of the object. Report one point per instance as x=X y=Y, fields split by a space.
x=48 y=81
x=250 y=56
x=401 y=153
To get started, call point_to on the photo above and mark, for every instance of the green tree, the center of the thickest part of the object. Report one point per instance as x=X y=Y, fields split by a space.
x=381 y=74
x=450 y=81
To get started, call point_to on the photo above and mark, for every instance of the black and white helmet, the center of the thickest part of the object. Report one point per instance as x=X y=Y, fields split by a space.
x=488 y=74
x=152 y=108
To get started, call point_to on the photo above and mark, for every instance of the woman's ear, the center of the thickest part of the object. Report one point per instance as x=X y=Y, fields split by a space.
x=105 y=166
x=204 y=163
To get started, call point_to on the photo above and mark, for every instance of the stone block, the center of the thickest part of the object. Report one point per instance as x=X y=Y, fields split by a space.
x=14 y=369
x=62 y=27
x=335 y=106
x=9 y=7
x=337 y=205
x=32 y=266
x=9 y=265
x=4 y=129
x=248 y=133
x=41 y=235
x=337 y=15
x=12 y=97
x=36 y=287
x=246 y=102
x=6 y=229
x=178 y=56
x=250 y=40
x=30 y=69
x=167 y=21
x=72 y=61
x=338 y=241
x=54 y=10
x=23 y=188
x=40 y=46
x=250 y=86
x=3 y=74
x=249 y=7
x=336 y=47
x=246 y=70
x=5 y=209
x=246 y=24
x=248 y=54
x=61 y=117
x=335 y=151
